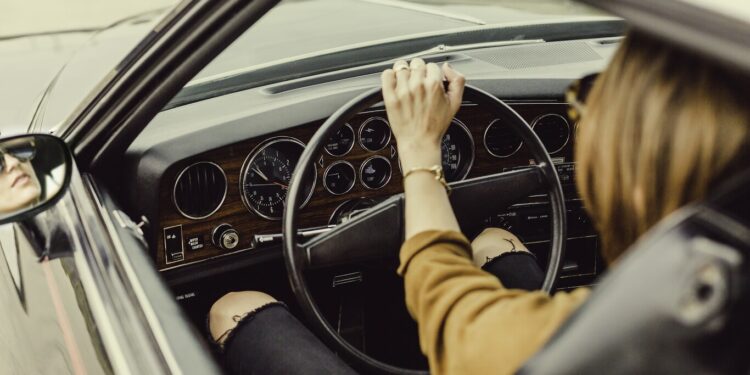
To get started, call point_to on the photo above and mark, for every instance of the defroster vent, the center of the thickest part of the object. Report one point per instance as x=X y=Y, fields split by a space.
x=200 y=190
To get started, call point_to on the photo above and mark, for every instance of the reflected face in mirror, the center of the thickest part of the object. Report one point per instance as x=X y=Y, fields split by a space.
x=19 y=185
x=35 y=170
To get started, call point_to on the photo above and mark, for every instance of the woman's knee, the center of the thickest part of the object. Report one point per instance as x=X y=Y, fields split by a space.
x=232 y=307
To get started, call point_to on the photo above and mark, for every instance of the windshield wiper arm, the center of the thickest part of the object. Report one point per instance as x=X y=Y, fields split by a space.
x=444 y=48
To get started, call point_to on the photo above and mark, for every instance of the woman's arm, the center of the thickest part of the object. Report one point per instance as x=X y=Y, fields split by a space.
x=420 y=111
x=468 y=322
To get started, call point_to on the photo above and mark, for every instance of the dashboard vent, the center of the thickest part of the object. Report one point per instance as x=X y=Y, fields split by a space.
x=200 y=190
x=535 y=56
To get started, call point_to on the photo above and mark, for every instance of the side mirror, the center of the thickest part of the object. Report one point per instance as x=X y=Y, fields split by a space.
x=35 y=172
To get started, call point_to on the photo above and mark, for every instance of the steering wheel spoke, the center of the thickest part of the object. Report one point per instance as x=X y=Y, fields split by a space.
x=480 y=197
x=356 y=241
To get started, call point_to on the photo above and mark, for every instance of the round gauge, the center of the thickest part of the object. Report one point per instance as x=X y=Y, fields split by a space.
x=457 y=151
x=374 y=134
x=339 y=178
x=266 y=173
x=553 y=130
x=500 y=140
x=342 y=142
x=375 y=172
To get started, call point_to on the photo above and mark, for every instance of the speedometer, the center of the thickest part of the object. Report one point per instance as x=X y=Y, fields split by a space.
x=457 y=151
x=266 y=173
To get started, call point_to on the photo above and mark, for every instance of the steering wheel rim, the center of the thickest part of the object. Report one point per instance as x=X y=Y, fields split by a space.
x=295 y=257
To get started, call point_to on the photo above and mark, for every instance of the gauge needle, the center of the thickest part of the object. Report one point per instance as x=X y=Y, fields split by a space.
x=263 y=176
x=271 y=184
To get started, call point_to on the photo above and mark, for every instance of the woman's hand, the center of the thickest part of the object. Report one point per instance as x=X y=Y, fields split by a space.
x=492 y=243
x=420 y=109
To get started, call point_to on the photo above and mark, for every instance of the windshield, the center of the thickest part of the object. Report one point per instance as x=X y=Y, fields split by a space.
x=299 y=27
x=305 y=37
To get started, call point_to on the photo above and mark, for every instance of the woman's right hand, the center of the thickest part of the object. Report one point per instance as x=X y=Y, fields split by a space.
x=420 y=109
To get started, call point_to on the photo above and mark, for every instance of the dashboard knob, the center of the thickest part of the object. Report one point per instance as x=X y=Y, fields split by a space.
x=225 y=237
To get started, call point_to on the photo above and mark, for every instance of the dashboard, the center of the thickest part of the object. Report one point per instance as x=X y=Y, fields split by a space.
x=210 y=177
x=230 y=200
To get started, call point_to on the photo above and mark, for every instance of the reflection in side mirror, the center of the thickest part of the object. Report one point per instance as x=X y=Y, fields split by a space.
x=34 y=172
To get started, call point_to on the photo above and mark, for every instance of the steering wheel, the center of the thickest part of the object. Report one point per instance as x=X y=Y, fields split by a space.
x=378 y=232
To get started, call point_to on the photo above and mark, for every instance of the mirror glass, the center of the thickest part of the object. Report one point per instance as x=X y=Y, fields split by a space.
x=34 y=170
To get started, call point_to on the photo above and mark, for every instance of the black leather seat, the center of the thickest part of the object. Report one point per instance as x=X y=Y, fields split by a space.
x=678 y=303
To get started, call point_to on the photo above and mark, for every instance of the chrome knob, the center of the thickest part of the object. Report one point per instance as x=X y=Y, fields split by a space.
x=225 y=237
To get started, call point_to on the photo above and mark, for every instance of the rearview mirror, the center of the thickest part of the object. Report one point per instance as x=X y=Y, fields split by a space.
x=34 y=173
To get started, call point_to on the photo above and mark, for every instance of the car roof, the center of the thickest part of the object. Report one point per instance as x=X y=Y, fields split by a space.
x=717 y=29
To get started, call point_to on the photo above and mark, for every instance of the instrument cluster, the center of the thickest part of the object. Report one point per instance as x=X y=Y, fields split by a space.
x=267 y=170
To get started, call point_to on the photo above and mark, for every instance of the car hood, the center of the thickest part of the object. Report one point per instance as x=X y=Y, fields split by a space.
x=290 y=29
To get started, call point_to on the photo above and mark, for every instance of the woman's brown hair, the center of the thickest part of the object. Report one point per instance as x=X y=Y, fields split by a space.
x=662 y=127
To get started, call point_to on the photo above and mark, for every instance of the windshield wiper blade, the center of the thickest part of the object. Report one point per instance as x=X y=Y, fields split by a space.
x=444 y=48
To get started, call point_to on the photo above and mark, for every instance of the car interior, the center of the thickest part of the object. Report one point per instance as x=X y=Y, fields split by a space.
x=211 y=172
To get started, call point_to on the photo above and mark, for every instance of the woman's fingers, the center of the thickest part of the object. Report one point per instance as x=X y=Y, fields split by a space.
x=456 y=83
x=388 y=81
x=417 y=74
x=402 y=75
x=434 y=76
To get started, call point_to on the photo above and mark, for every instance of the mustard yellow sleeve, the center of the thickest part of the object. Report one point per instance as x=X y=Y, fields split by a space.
x=468 y=322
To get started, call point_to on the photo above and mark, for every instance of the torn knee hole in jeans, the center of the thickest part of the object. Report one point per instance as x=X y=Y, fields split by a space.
x=221 y=342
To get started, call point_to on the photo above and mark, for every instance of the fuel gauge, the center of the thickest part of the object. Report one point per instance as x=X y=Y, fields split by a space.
x=339 y=178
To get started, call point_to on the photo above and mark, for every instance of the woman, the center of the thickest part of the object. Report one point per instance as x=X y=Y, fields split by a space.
x=19 y=186
x=661 y=129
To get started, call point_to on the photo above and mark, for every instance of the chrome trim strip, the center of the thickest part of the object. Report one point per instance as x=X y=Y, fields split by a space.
x=174 y=190
x=137 y=289
x=536 y=120
x=94 y=290
x=369 y=120
x=354 y=177
x=260 y=147
x=484 y=141
x=351 y=146
x=387 y=180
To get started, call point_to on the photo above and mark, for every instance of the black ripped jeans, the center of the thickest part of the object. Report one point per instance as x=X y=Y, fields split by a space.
x=271 y=340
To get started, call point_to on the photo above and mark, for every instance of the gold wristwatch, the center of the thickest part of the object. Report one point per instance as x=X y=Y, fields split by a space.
x=437 y=170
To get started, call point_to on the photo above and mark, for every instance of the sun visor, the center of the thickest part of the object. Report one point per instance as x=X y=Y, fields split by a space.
x=719 y=30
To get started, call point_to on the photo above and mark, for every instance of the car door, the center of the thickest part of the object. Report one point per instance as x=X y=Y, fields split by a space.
x=79 y=293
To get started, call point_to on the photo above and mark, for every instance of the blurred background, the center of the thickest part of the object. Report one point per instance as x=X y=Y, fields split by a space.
x=38 y=36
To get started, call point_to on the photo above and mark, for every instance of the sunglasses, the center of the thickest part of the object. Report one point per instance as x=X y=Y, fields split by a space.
x=23 y=152
x=576 y=96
